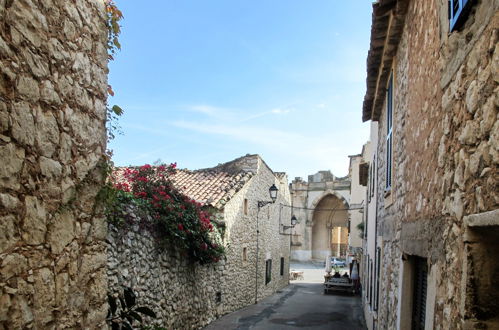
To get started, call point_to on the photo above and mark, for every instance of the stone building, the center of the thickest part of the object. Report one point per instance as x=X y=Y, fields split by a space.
x=321 y=206
x=357 y=173
x=432 y=89
x=53 y=82
x=258 y=248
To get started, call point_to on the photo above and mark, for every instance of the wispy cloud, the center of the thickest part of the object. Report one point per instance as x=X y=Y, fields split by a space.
x=279 y=111
x=319 y=149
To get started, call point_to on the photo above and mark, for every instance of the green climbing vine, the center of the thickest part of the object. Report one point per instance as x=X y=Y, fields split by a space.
x=114 y=16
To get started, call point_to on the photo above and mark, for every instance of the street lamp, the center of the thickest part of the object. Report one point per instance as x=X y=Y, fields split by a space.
x=273 y=196
x=294 y=221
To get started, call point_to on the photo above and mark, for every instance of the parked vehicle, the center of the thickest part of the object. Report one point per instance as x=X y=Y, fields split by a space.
x=342 y=284
x=337 y=262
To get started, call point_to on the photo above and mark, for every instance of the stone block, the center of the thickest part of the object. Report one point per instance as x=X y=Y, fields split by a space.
x=22 y=315
x=34 y=225
x=472 y=97
x=61 y=231
x=8 y=232
x=44 y=298
x=9 y=202
x=28 y=89
x=23 y=123
x=10 y=171
x=50 y=168
x=47 y=134
x=5 y=303
x=489 y=116
x=13 y=264
x=470 y=133
x=48 y=93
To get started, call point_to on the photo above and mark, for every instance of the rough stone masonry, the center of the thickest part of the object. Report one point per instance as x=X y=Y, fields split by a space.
x=53 y=79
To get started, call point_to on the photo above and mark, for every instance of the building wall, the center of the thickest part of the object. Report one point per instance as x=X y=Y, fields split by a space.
x=306 y=197
x=357 y=200
x=53 y=65
x=241 y=233
x=190 y=296
x=445 y=159
x=371 y=242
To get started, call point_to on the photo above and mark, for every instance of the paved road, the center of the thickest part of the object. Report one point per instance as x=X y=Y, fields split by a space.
x=300 y=305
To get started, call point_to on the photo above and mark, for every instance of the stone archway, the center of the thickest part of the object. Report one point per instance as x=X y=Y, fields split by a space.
x=329 y=227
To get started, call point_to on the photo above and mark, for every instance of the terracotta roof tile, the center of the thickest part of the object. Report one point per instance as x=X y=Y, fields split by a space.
x=210 y=186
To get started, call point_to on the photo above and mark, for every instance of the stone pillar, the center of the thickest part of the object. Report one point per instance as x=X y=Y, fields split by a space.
x=53 y=79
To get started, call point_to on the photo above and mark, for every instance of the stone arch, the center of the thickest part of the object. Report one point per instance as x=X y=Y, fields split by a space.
x=329 y=225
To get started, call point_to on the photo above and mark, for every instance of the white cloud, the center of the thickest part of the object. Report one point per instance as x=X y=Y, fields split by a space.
x=279 y=111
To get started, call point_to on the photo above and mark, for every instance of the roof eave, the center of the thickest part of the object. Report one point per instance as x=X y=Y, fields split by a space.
x=386 y=30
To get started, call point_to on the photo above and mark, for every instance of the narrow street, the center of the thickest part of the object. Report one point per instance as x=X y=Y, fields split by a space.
x=300 y=305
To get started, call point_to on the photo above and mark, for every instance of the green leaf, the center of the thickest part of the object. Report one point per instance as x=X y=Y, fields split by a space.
x=129 y=297
x=146 y=311
x=136 y=316
x=122 y=302
x=127 y=326
x=117 y=110
x=112 y=304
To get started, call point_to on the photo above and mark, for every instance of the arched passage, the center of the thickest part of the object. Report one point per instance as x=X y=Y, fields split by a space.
x=329 y=228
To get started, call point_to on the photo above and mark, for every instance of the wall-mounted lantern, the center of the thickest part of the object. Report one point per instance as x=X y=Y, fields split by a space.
x=273 y=196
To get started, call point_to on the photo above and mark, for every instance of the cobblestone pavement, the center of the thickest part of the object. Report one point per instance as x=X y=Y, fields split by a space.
x=301 y=305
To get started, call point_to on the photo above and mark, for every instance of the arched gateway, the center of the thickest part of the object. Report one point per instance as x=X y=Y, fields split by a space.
x=321 y=207
x=329 y=228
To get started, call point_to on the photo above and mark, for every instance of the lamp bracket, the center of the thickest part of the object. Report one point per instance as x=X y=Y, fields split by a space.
x=263 y=203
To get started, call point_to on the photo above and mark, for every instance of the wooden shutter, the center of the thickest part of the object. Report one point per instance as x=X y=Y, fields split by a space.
x=419 y=294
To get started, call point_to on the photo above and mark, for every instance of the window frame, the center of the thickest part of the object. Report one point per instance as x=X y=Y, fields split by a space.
x=457 y=14
x=282 y=266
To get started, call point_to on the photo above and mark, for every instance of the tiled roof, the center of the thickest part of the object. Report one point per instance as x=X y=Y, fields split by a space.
x=210 y=186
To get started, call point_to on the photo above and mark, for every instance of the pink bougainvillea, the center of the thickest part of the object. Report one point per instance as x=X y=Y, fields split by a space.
x=176 y=218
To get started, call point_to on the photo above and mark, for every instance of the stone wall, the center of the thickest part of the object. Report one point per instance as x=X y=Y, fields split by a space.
x=53 y=79
x=189 y=296
x=445 y=156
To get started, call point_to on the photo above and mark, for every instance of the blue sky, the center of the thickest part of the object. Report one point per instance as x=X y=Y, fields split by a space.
x=203 y=82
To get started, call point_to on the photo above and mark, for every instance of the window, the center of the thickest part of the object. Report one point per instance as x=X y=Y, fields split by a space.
x=245 y=206
x=282 y=266
x=245 y=254
x=372 y=181
x=370 y=282
x=268 y=271
x=389 y=134
x=376 y=292
x=420 y=285
x=458 y=11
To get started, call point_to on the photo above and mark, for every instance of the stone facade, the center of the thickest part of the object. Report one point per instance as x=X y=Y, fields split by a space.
x=444 y=161
x=191 y=295
x=53 y=80
x=321 y=207
x=357 y=199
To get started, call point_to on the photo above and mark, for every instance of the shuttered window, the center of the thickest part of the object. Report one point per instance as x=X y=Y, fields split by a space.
x=268 y=271
x=282 y=266
x=419 y=293
x=378 y=258
x=389 y=134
